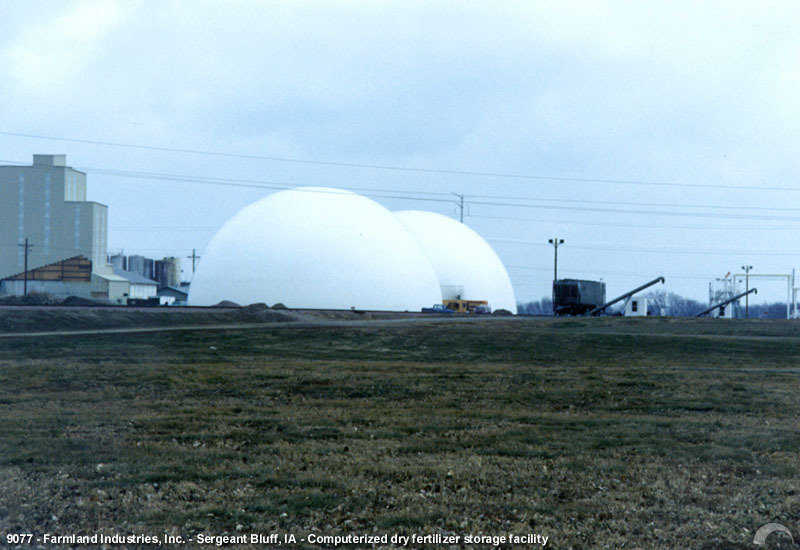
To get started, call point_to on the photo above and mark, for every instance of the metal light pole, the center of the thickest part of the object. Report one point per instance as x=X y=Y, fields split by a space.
x=747 y=269
x=555 y=242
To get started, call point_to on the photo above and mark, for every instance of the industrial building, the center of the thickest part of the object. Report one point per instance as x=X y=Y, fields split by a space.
x=165 y=272
x=140 y=287
x=46 y=221
x=317 y=247
x=171 y=296
x=69 y=277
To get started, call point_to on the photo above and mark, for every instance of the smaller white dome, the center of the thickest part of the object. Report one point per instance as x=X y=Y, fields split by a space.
x=463 y=261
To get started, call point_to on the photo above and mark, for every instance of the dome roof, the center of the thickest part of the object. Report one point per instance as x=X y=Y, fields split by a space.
x=465 y=263
x=315 y=247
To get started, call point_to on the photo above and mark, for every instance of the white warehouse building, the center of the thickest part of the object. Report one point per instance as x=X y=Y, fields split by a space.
x=323 y=248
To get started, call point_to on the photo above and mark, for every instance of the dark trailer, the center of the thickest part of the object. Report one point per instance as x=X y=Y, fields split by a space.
x=576 y=296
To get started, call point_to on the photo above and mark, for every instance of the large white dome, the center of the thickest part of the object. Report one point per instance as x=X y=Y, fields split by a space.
x=465 y=263
x=315 y=247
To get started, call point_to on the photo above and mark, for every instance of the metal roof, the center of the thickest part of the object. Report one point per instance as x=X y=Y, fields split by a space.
x=172 y=291
x=134 y=278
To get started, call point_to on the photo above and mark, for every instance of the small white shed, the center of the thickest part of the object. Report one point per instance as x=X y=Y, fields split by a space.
x=636 y=307
x=140 y=286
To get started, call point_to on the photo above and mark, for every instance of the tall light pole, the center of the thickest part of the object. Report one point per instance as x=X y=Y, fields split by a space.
x=555 y=242
x=747 y=269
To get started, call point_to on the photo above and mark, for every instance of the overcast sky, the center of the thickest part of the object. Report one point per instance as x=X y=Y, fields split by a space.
x=596 y=104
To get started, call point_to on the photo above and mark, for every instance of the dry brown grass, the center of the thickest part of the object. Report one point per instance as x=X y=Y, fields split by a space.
x=598 y=433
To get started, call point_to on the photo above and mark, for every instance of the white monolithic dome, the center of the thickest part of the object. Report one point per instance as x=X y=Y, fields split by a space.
x=315 y=247
x=465 y=263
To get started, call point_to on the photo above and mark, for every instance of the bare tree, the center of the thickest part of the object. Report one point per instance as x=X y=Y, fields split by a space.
x=541 y=307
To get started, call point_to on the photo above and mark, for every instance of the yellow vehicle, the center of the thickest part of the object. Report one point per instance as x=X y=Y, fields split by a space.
x=465 y=306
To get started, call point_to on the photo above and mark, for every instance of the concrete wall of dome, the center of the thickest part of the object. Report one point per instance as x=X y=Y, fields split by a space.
x=315 y=247
x=463 y=260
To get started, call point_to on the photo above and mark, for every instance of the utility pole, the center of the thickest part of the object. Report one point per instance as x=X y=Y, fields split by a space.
x=194 y=257
x=747 y=269
x=27 y=247
x=460 y=206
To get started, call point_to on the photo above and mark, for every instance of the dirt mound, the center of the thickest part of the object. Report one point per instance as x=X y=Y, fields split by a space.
x=226 y=303
x=83 y=318
x=78 y=301
x=32 y=299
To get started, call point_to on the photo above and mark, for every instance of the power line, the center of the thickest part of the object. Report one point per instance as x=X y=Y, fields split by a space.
x=276 y=185
x=693 y=251
x=606 y=272
x=413 y=195
x=258 y=184
x=154 y=229
x=81 y=251
x=640 y=212
x=283 y=187
x=458 y=172
x=630 y=203
x=599 y=247
x=459 y=202
x=637 y=225
x=177 y=248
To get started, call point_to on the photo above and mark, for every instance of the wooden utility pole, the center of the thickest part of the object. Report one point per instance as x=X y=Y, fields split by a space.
x=25 y=277
x=460 y=205
x=194 y=257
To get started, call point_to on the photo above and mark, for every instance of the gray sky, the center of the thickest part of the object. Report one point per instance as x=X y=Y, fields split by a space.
x=651 y=93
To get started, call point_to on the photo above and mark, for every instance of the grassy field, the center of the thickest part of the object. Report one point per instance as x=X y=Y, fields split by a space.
x=597 y=433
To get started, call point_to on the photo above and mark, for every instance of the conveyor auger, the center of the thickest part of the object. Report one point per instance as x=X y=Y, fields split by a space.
x=627 y=295
x=726 y=302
